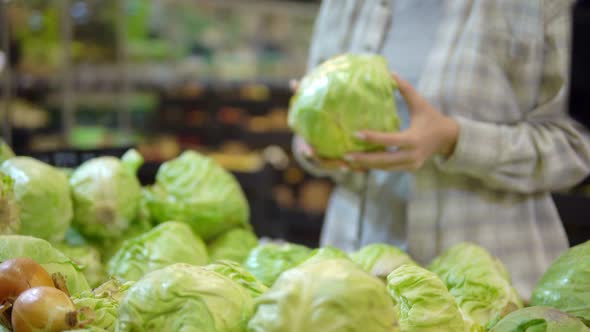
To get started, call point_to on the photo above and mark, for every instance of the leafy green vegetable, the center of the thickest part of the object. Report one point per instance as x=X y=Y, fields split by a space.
x=196 y=190
x=539 y=319
x=267 y=261
x=324 y=253
x=566 y=284
x=5 y=151
x=423 y=302
x=183 y=297
x=343 y=95
x=478 y=281
x=169 y=243
x=87 y=257
x=43 y=197
x=106 y=195
x=240 y=275
x=9 y=213
x=380 y=259
x=327 y=296
x=234 y=245
x=53 y=260
x=104 y=303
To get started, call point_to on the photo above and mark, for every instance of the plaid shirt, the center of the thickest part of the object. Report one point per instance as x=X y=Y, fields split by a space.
x=500 y=67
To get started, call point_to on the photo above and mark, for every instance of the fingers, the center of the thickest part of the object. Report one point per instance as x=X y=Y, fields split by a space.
x=294 y=85
x=412 y=97
x=400 y=139
x=381 y=160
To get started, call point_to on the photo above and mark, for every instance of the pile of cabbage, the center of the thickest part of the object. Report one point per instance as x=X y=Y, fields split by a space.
x=180 y=255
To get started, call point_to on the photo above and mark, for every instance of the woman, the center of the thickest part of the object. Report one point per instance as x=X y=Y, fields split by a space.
x=488 y=136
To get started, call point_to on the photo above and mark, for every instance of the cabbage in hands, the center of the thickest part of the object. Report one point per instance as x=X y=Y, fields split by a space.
x=380 y=259
x=539 y=319
x=240 y=275
x=167 y=244
x=9 y=213
x=52 y=260
x=183 y=297
x=566 y=284
x=329 y=296
x=43 y=196
x=478 y=281
x=195 y=190
x=267 y=261
x=423 y=302
x=340 y=97
x=106 y=195
x=234 y=245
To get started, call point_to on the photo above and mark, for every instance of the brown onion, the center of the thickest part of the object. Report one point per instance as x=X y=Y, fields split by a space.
x=19 y=274
x=43 y=309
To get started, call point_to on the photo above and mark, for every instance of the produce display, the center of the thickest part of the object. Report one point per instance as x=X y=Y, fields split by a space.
x=268 y=261
x=478 y=281
x=42 y=193
x=106 y=195
x=332 y=295
x=204 y=269
x=566 y=284
x=380 y=259
x=195 y=190
x=341 y=96
x=184 y=297
x=233 y=245
x=168 y=243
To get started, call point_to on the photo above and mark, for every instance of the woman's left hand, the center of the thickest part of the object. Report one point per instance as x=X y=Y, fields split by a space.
x=431 y=133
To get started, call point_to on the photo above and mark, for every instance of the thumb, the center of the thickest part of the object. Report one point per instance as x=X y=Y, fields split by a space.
x=411 y=96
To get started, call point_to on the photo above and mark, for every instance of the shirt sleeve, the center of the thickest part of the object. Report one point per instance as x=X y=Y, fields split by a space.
x=547 y=151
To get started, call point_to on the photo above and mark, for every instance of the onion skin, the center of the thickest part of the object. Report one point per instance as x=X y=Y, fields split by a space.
x=19 y=274
x=44 y=309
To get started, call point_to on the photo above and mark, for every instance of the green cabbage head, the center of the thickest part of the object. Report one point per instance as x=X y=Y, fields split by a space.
x=423 y=302
x=380 y=259
x=478 y=281
x=104 y=303
x=106 y=195
x=267 y=261
x=9 y=213
x=343 y=95
x=43 y=196
x=184 y=297
x=168 y=243
x=87 y=257
x=539 y=319
x=566 y=284
x=196 y=190
x=53 y=260
x=234 y=245
x=329 y=296
x=240 y=275
x=324 y=253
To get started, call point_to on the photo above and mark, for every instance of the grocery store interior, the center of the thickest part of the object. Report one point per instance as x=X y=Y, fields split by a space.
x=96 y=77
x=82 y=78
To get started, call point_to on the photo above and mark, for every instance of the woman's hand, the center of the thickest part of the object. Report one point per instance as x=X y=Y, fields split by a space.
x=431 y=133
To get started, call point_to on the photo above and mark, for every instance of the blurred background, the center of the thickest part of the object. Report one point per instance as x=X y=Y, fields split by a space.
x=88 y=77
x=81 y=78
